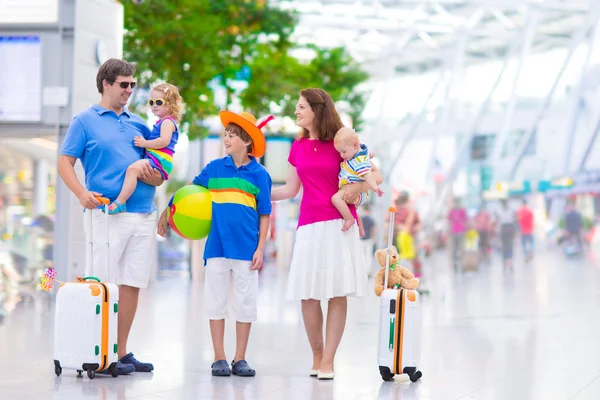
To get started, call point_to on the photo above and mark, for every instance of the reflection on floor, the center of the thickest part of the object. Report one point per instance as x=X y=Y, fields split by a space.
x=529 y=334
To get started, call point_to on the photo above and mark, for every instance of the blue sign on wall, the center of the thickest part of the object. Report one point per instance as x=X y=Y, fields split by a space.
x=520 y=189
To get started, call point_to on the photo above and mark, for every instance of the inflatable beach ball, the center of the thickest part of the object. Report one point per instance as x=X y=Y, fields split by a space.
x=190 y=212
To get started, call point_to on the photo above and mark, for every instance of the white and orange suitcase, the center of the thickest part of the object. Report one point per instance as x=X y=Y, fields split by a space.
x=85 y=323
x=399 y=334
x=399 y=347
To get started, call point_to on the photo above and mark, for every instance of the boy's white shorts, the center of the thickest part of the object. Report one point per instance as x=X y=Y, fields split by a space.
x=217 y=289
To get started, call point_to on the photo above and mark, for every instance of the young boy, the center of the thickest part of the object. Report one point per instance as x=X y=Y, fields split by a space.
x=356 y=167
x=241 y=206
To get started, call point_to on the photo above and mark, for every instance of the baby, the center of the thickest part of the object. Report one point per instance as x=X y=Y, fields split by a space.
x=356 y=167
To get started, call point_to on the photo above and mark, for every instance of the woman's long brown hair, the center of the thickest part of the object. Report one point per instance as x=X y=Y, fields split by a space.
x=327 y=121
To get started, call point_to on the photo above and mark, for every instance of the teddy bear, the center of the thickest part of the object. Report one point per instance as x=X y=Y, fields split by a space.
x=398 y=274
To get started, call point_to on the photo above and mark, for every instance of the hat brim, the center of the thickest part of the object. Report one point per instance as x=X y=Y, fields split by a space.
x=258 y=139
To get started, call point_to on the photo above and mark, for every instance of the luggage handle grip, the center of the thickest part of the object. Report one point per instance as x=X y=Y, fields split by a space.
x=90 y=278
x=103 y=200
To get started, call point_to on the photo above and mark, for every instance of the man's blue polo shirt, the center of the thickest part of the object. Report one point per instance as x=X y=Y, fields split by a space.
x=239 y=196
x=103 y=141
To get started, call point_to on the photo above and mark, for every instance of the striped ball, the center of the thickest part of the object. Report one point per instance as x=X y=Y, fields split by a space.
x=190 y=212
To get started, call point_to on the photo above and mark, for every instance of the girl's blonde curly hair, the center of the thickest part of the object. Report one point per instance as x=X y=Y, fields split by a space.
x=173 y=101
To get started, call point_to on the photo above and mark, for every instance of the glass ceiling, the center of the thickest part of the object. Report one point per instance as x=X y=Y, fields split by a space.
x=413 y=36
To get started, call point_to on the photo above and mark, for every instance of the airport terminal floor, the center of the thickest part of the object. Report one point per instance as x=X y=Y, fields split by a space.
x=532 y=333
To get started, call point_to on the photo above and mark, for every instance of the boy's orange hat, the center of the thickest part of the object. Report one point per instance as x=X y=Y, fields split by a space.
x=247 y=122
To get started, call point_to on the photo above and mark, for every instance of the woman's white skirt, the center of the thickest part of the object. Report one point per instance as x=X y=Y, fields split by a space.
x=327 y=262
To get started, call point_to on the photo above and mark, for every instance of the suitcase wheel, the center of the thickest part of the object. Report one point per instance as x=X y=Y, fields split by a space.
x=91 y=374
x=413 y=374
x=79 y=373
x=386 y=374
x=416 y=376
x=113 y=370
x=57 y=368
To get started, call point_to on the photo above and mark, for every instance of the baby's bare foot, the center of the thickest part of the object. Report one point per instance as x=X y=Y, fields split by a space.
x=347 y=224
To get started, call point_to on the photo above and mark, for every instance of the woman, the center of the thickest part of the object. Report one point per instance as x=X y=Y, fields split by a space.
x=458 y=220
x=327 y=264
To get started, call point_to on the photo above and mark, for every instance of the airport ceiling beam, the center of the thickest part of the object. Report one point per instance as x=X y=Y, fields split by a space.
x=448 y=100
x=466 y=141
x=529 y=34
x=416 y=123
x=588 y=149
x=579 y=35
x=546 y=5
x=578 y=101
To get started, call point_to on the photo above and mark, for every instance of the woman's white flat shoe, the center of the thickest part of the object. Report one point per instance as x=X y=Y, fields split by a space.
x=325 y=375
x=313 y=372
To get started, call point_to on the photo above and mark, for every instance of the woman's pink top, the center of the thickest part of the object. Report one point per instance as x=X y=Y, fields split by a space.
x=318 y=166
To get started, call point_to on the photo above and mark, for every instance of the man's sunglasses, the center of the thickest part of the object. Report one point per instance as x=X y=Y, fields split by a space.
x=158 y=102
x=123 y=84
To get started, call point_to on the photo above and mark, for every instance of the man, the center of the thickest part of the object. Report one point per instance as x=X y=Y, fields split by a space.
x=574 y=226
x=102 y=138
x=526 y=222
x=368 y=240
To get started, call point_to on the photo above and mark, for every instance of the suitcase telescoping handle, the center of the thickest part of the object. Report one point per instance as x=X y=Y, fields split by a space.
x=106 y=202
x=392 y=211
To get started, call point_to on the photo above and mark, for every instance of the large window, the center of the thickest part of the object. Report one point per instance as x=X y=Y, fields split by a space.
x=482 y=146
x=20 y=78
x=513 y=142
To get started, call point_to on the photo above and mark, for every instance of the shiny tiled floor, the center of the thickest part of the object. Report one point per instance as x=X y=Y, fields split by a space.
x=530 y=334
